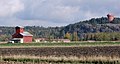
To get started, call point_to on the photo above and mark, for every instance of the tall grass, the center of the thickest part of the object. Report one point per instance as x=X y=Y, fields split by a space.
x=71 y=59
x=63 y=59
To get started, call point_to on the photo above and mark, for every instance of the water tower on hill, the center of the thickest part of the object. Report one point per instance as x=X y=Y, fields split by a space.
x=110 y=17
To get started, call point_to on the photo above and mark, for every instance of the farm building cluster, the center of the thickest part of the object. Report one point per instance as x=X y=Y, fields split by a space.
x=52 y=40
x=21 y=36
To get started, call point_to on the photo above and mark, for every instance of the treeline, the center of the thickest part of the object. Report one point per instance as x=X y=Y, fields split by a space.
x=42 y=32
x=6 y=32
x=103 y=36
x=76 y=32
x=96 y=26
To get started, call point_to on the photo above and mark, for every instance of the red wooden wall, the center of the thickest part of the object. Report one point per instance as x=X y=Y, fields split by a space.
x=27 y=39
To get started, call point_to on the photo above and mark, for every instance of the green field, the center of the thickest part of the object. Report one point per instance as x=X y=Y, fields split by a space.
x=76 y=44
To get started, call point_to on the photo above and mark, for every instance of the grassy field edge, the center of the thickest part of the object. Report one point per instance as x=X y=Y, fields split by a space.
x=71 y=44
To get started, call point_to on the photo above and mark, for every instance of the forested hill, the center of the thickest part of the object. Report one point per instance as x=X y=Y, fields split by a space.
x=80 y=29
x=94 y=25
x=102 y=20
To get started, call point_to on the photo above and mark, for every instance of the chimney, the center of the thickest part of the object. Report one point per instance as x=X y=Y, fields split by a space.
x=19 y=29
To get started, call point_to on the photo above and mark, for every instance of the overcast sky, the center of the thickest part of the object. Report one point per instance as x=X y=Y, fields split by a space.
x=54 y=12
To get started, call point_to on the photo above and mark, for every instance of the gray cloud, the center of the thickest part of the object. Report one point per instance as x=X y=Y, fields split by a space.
x=10 y=7
x=54 y=12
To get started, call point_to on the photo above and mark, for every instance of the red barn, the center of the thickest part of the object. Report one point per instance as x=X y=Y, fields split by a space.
x=21 y=36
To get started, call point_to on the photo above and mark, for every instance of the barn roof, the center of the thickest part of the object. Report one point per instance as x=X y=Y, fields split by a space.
x=26 y=34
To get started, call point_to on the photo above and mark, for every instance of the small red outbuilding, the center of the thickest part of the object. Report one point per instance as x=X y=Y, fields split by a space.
x=21 y=36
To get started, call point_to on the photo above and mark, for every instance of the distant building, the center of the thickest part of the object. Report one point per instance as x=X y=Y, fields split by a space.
x=21 y=36
x=66 y=40
x=40 y=39
x=52 y=40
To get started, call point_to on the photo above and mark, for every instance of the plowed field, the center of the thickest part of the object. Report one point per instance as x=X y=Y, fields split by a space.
x=63 y=51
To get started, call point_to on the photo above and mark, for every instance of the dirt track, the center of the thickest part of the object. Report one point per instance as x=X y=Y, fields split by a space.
x=63 y=51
